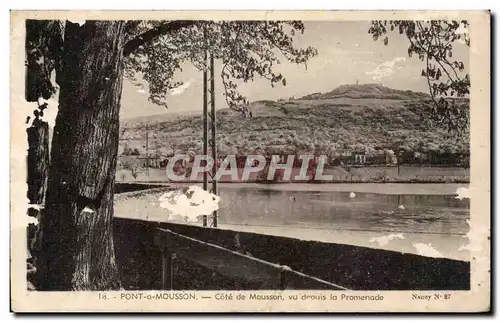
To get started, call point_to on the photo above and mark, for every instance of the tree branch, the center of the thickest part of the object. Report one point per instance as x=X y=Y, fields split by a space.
x=151 y=34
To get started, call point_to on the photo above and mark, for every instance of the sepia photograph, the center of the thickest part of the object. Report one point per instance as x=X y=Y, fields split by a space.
x=242 y=157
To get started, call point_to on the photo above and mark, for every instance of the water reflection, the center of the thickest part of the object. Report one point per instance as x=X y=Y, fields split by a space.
x=439 y=214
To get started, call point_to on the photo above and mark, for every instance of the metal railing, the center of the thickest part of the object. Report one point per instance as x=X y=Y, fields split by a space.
x=235 y=265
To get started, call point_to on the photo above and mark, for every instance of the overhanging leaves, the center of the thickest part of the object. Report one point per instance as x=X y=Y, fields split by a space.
x=433 y=43
x=246 y=49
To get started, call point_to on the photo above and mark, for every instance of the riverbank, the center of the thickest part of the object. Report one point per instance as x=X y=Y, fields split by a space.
x=368 y=174
x=387 y=188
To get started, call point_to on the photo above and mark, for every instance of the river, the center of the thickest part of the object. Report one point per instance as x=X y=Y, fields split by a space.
x=430 y=213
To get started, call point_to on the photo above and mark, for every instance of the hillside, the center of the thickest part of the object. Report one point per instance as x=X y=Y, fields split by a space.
x=373 y=91
x=158 y=118
x=349 y=117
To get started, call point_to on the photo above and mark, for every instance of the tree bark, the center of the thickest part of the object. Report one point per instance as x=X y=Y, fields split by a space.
x=38 y=165
x=37 y=161
x=77 y=247
x=42 y=45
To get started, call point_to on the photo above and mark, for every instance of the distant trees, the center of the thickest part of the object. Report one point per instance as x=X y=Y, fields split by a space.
x=308 y=136
x=129 y=151
x=131 y=164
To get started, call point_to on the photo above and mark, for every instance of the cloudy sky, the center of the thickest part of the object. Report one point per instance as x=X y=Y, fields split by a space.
x=346 y=53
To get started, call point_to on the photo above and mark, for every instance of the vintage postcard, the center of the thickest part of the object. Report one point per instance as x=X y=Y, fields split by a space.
x=250 y=161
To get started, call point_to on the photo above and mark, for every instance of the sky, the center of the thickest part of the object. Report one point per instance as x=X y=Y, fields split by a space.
x=346 y=54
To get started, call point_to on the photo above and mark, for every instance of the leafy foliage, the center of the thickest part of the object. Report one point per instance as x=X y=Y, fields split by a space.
x=43 y=47
x=156 y=50
x=433 y=42
x=246 y=49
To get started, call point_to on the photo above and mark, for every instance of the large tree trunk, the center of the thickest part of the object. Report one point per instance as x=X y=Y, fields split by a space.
x=77 y=248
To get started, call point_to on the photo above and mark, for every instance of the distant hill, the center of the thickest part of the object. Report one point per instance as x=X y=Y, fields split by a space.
x=156 y=118
x=374 y=91
x=350 y=117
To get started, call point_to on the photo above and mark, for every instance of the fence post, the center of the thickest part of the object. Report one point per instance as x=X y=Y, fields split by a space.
x=167 y=272
x=167 y=257
x=282 y=277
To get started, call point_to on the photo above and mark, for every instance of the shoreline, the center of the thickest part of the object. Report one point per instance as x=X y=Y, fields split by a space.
x=336 y=175
x=448 y=189
x=296 y=182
